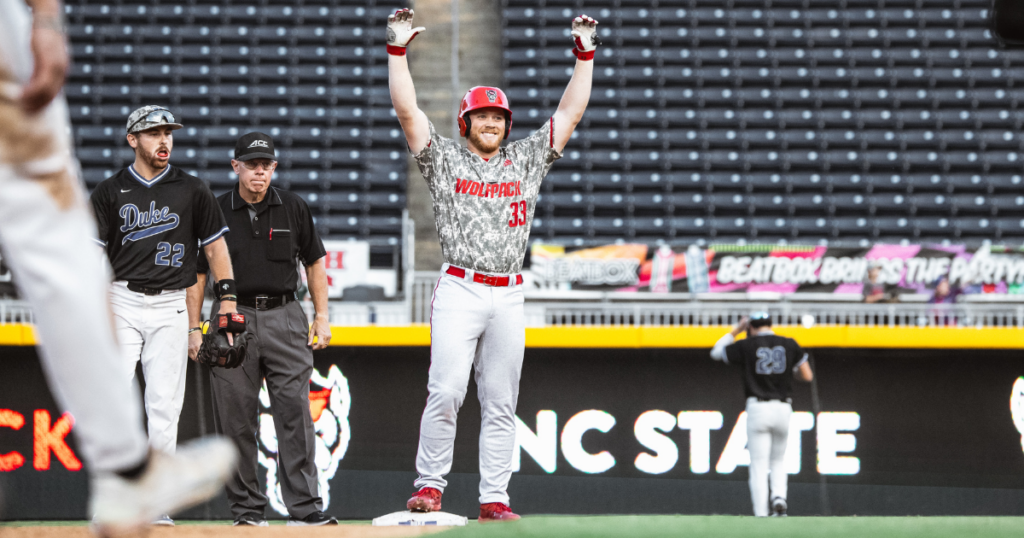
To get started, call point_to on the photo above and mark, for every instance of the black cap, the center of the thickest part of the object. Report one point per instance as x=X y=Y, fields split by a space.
x=760 y=319
x=254 y=146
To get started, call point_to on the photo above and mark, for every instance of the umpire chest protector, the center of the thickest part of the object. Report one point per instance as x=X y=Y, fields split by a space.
x=265 y=247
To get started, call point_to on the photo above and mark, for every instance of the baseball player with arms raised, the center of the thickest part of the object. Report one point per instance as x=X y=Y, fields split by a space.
x=46 y=229
x=484 y=197
x=152 y=219
x=769 y=363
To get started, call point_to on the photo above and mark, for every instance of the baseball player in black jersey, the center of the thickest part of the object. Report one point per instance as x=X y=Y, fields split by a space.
x=152 y=218
x=769 y=363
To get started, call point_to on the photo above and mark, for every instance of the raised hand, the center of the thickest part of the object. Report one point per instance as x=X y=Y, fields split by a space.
x=584 y=33
x=400 y=31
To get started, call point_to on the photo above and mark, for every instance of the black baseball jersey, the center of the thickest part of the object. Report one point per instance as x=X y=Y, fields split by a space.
x=152 y=229
x=768 y=363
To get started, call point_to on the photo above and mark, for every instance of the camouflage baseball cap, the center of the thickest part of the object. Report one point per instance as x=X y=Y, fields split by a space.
x=151 y=116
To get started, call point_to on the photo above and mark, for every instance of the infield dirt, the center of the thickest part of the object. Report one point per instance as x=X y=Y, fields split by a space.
x=224 y=531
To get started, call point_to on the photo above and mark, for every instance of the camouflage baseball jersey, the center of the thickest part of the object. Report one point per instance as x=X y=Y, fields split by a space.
x=484 y=208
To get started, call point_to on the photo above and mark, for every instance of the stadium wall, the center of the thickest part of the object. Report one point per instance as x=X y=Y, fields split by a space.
x=610 y=430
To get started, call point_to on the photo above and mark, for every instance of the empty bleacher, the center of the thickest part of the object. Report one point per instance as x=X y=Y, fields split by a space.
x=776 y=121
x=312 y=76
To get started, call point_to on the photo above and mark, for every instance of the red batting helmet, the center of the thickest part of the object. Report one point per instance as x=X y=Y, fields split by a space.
x=483 y=97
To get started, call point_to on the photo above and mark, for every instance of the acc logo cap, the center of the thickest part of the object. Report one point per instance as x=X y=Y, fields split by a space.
x=255 y=146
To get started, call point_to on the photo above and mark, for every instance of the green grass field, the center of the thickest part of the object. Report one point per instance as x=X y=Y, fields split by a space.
x=738 y=527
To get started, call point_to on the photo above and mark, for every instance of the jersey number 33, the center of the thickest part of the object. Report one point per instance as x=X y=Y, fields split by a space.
x=518 y=214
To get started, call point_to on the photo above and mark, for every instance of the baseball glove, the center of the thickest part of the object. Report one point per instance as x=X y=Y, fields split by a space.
x=217 y=351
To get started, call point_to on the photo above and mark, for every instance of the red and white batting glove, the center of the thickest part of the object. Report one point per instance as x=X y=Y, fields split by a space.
x=584 y=33
x=401 y=32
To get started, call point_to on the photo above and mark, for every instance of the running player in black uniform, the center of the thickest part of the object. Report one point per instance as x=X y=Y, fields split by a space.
x=152 y=219
x=769 y=363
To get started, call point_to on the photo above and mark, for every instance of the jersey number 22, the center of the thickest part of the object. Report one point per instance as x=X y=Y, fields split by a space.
x=166 y=254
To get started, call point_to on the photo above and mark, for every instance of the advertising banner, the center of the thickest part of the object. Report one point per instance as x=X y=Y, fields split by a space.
x=347 y=263
x=782 y=269
x=649 y=431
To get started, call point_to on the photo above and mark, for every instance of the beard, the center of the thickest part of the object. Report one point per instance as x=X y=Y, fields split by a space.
x=484 y=145
x=156 y=162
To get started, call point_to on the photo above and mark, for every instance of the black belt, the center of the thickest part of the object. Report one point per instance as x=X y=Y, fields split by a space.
x=144 y=290
x=787 y=400
x=265 y=302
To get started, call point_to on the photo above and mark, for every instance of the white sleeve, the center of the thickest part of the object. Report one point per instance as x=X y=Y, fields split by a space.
x=718 y=352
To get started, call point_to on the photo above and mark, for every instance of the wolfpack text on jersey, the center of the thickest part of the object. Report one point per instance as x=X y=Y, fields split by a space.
x=484 y=209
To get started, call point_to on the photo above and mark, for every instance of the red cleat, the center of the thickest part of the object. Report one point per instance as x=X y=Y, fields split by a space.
x=425 y=500
x=496 y=512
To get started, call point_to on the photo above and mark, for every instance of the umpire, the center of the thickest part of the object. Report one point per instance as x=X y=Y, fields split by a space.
x=769 y=363
x=272 y=229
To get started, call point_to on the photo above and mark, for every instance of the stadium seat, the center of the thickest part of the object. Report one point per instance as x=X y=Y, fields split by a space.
x=1008 y=204
x=811 y=226
x=1011 y=227
x=983 y=227
x=303 y=74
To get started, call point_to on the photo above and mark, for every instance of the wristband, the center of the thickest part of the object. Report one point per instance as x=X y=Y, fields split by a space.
x=226 y=288
x=195 y=329
x=584 y=55
x=396 y=51
x=228 y=298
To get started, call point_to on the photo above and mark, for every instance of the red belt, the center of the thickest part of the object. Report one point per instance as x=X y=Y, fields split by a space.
x=480 y=278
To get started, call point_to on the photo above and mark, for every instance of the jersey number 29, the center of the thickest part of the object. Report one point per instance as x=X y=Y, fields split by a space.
x=771 y=360
x=166 y=254
x=518 y=214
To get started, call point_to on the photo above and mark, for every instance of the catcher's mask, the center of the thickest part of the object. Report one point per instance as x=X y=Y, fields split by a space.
x=760 y=319
x=483 y=97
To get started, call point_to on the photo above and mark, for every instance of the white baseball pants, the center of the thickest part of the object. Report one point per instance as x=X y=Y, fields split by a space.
x=153 y=330
x=46 y=229
x=473 y=326
x=767 y=433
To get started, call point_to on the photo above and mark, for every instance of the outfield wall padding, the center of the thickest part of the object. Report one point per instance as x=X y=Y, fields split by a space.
x=898 y=432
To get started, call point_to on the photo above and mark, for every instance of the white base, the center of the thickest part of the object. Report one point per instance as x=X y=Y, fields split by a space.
x=419 y=519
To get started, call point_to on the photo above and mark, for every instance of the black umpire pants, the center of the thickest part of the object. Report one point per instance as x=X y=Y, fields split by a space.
x=283 y=359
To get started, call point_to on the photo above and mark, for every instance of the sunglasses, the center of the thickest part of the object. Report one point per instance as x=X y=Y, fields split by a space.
x=157 y=116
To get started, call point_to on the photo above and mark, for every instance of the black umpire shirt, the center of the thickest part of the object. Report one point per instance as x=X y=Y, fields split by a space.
x=152 y=228
x=768 y=363
x=266 y=239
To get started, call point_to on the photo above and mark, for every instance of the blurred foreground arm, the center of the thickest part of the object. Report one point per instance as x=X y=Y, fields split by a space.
x=49 y=49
